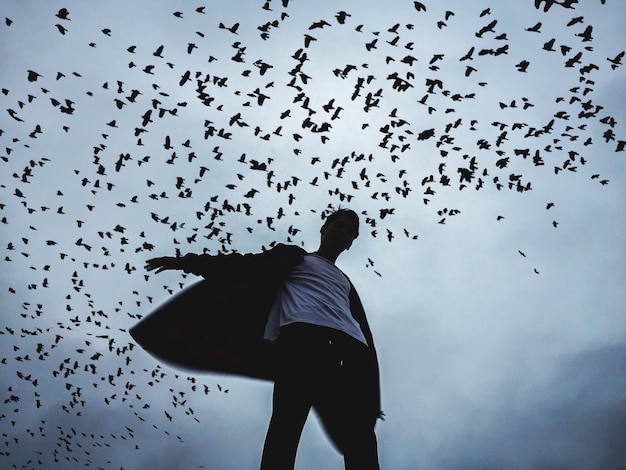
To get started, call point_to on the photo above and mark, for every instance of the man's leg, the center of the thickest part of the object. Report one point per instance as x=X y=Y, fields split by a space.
x=361 y=447
x=344 y=412
x=289 y=413
x=291 y=400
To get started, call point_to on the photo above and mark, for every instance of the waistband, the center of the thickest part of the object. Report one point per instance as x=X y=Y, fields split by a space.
x=309 y=332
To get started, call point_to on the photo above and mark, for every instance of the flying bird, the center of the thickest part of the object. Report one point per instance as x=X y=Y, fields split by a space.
x=63 y=14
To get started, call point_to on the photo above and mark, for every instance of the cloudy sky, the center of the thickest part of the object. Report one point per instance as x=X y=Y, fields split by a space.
x=481 y=141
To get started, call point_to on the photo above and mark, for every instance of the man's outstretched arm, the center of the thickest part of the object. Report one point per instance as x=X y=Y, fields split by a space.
x=212 y=266
x=201 y=265
x=163 y=263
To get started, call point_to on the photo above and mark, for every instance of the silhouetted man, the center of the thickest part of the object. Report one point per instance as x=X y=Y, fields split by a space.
x=325 y=352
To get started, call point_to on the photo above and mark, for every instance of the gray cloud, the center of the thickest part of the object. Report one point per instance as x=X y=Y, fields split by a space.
x=485 y=363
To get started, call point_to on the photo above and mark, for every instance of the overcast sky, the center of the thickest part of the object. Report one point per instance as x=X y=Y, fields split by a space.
x=488 y=172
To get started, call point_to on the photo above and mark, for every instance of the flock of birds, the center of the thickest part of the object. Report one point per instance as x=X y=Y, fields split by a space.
x=268 y=141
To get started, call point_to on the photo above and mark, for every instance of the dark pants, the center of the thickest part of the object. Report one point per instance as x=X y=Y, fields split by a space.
x=326 y=369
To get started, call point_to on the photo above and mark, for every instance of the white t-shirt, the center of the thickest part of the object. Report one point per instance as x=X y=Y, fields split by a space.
x=315 y=292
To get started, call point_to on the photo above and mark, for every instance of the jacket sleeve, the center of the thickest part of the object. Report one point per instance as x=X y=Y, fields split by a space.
x=277 y=260
x=358 y=312
x=210 y=266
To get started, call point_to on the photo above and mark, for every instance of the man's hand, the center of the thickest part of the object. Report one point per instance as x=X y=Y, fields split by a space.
x=162 y=263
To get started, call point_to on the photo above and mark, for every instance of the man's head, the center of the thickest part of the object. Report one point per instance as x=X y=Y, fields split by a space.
x=343 y=223
x=343 y=213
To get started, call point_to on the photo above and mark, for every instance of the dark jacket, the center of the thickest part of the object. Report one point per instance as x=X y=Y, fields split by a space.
x=218 y=324
x=274 y=266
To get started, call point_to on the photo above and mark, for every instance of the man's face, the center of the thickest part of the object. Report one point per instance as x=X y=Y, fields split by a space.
x=340 y=233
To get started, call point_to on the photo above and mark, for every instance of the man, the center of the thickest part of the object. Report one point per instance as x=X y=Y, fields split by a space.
x=325 y=352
